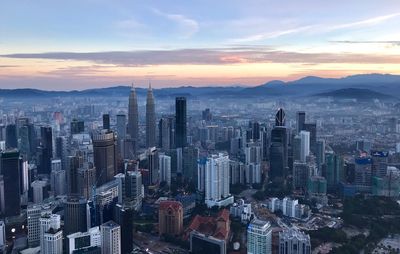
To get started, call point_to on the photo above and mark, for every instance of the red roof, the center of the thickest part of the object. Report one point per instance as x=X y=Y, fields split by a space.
x=217 y=227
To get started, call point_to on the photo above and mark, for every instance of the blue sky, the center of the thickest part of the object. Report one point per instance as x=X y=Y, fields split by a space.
x=214 y=42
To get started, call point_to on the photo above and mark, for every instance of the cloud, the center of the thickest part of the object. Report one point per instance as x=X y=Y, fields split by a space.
x=187 y=26
x=365 y=22
x=204 y=56
x=394 y=43
x=271 y=35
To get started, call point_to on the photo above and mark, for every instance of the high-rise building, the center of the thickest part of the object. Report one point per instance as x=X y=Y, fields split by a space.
x=279 y=152
x=110 y=238
x=133 y=118
x=73 y=164
x=121 y=126
x=165 y=168
x=312 y=129
x=130 y=189
x=217 y=181
x=105 y=156
x=152 y=160
x=106 y=121
x=2 y=236
x=46 y=134
x=305 y=145
x=280 y=117
x=83 y=241
x=48 y=221
x=293 y=241
x=190 y=156
x=10 y=170
x=77 y=126
x=170 y=218
x=40 y=190
x=259 y=237
x=33 y=214
x=52 y=241
x=300 y=174
x=11 y=136
x=165 y=127
x=86 y=180
x=180 y=122
x=76 y=215
x=300 y=121
x=58 y=180
x=150 y=119
x=124 y=218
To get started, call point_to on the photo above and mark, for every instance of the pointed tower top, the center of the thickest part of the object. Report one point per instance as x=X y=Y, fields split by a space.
x=150 y=85
x=132 y=87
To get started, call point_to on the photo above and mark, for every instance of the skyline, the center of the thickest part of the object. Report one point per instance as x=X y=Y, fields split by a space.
x=96 y=43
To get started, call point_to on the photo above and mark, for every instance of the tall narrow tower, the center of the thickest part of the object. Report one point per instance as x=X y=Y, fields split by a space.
x=133 y=118
x=180 y=122
x=150 y=119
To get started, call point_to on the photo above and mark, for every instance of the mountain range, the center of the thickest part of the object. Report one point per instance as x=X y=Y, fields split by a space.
x=363 y=86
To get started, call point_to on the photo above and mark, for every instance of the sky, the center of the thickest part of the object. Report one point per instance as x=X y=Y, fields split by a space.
x=80 y=44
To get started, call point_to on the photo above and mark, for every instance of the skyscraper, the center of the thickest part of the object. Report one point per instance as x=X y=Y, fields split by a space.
x=152 y=159
x=106 y=121
x=279 y=152
x=300 y=121
x=10 y=169
x=47 y=222
x=304 y=145
x=11 y=136
x=280 y=118
x=133 y=118
x=150 y=119
x=77 y=126
x=259 y=237
x=165 y=168
x=110 y=238
x=165 y=128
x=105 y=155
x=180 y=122
x=75 y=215
x=121 y=126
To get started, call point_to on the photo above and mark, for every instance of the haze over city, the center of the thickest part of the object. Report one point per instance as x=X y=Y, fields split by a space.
x=95 y=43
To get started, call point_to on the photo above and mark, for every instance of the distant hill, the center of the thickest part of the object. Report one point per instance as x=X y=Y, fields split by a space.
x=355 y=93
x=378 y=85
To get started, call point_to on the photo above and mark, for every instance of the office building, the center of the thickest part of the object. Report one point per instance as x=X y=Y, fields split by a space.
x=105 y=156
x=153 y=162
x=180 y=122
x=77 y=126
x=293 y=241
x=170 y=218
x=300 y=121
x=106 y=121
x=11 y=136
x=110 y=238
x=150 y=119
x=52 y=241
x=130 y=189
x=121 y=126
x=166 y=131
x=133 y=119
x=10 y=170
x=83 y=241
x=165 y=168
x=48 y=221
x=259 y=237
x=76 y=215
x=304 y=145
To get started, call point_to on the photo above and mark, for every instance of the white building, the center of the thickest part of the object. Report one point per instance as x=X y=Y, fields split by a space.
x=110 y=238
x=253 y=173
x=217 y=181
x=49 y=232
x=52 y=241
x=79 y=240
x=165 y=168
x=130 y=189
x=259 y=237
x=2 y=236
x=39 y=190
x=289 y=207
x=293 y=241
x=34 y=212
x=304 y=145
x=241 y=210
